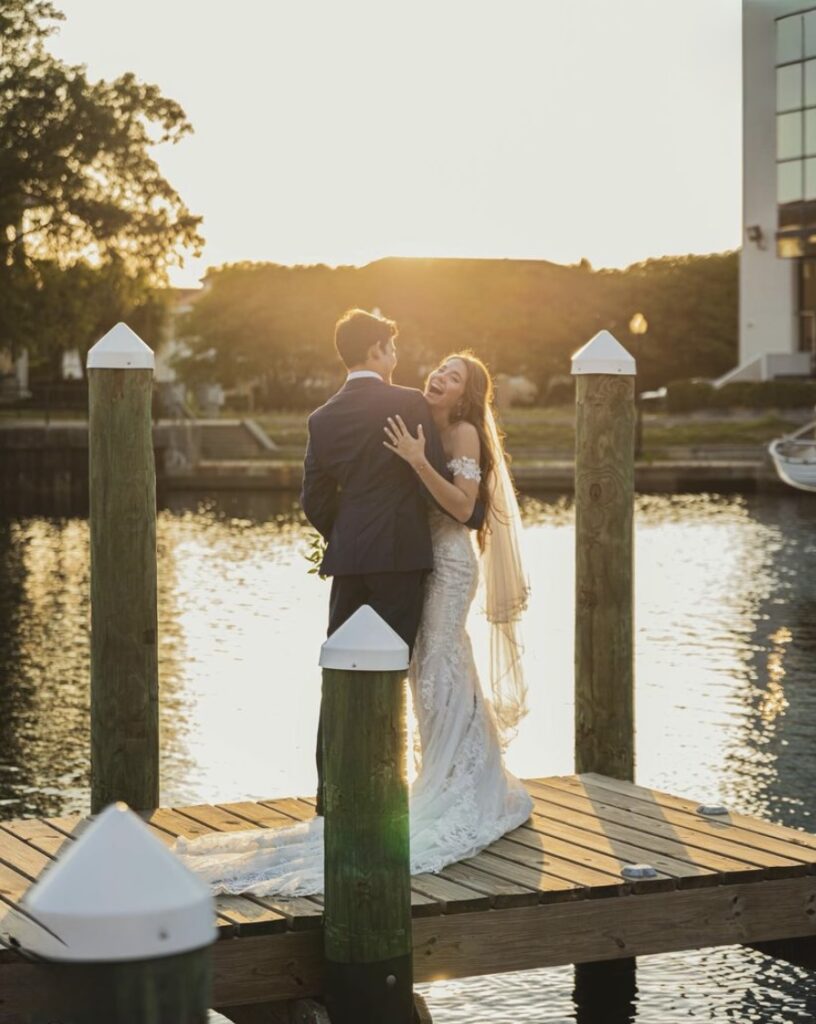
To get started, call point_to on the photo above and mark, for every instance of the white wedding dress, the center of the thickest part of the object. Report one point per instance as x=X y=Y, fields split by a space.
x=463 y=797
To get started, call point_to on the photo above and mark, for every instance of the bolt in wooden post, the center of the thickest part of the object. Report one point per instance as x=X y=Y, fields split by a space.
x=604 y=638
x=124 y=659
x=123 y=928
x=604 y=499
x=367 y=918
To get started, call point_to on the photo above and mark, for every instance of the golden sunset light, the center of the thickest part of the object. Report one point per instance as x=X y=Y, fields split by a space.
x=407 y=511
x=340 y=133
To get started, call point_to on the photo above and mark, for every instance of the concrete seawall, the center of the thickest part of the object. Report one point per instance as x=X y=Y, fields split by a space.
x=45 y=468
x=666 y=475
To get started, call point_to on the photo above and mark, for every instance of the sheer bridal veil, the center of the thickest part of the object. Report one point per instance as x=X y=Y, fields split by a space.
x=506 y=592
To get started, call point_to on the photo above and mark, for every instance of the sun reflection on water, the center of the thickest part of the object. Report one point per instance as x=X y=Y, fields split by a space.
x=725 y=703
x=241 y=621
x=774 y=703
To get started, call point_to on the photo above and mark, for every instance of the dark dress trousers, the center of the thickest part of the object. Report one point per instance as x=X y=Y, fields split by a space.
x=371 y=507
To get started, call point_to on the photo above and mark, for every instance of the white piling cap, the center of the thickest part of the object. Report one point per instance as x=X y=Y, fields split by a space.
x=603 y=354
x=117 y=893
x=365 y=642
x=121 y=349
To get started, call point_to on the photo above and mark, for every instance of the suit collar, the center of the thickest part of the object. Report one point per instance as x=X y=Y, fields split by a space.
x=362 y=382
x=363 y=375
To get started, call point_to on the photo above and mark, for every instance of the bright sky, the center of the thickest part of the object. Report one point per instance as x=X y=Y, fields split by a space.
x=340 y=131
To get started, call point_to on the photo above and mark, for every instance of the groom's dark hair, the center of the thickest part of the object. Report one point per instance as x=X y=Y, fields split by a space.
x=356 y=331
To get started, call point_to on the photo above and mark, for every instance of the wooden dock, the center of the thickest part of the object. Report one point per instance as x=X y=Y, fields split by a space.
x=549 y=893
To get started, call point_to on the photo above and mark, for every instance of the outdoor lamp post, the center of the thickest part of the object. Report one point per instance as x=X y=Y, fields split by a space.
x=638 y=326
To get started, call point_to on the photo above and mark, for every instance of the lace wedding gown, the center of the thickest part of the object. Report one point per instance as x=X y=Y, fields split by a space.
x=463 y=797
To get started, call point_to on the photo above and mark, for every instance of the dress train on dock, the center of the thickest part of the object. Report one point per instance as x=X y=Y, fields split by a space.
x=463 y=798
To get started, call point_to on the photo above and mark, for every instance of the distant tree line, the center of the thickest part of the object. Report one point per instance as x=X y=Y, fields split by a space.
x=273 y=324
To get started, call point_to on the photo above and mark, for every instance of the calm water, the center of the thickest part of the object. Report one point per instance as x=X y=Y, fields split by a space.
x=726 y=692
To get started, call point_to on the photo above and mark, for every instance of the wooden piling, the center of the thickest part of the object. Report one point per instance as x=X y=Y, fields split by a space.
x=367 y=917
x=604 y=637
x=176 y=989
x=124 y=654
x=604 y=495
x=121 y=931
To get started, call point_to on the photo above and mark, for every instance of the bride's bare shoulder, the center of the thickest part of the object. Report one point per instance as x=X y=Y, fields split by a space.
x=464 y=430
x=463 y=439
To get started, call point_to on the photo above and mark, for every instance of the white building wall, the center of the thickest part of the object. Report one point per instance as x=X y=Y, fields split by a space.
x=768 y=318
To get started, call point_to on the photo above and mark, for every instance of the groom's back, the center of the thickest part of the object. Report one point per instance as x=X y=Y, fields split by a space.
x=380 y=523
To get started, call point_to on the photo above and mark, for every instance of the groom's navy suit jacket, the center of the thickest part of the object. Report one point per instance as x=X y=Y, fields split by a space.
x=366 y=501
x=372 y=509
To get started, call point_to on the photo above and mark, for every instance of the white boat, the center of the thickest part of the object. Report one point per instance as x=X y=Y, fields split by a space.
x=794 y=457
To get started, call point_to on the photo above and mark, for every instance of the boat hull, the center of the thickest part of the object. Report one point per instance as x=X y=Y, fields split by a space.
x=798 y=471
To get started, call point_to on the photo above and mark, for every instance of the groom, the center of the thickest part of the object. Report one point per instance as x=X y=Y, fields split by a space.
x=370 y=506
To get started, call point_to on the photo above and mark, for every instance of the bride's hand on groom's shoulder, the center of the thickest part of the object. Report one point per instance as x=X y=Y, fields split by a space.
x=403 y=443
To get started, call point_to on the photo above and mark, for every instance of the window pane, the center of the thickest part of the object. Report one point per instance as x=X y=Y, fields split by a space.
x=809 y=214
x=790 y=216
x=788 y=136
x=810 y=34
x=789 y=39
x=810 y=83
x=810 y=132
x=789 y=87
x=789 y=181
x=810 y=179
x=788 y=248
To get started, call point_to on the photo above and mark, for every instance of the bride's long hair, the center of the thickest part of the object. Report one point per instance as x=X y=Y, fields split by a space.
x=476 y=407
x=506 y=588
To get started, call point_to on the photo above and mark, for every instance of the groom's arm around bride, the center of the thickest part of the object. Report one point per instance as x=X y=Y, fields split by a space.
x=368 y=505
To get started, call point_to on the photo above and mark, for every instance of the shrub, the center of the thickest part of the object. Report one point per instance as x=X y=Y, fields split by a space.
x=560 y=391
x=691 y=395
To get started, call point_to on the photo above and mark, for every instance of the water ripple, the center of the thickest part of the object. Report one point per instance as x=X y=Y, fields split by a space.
x=725 y=699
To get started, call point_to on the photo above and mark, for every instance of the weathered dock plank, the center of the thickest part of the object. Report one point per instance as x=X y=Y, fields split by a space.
x=548 y=893
x=39 y=834
x=531 y=937
x=501 y=892
x=597 y=882
x=656 y=803
x=731 y=854
x=248 y=913
x=21 y=856
x=667 y=858
x=537 y=837
x=550 y=888
x=633 y=925
x=257 y=814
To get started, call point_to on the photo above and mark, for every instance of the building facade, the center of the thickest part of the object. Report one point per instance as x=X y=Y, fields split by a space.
x=777 y=327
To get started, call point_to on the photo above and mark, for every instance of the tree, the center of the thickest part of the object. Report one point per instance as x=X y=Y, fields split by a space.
x=523 y=316
x=270 y=324
x=78 y=185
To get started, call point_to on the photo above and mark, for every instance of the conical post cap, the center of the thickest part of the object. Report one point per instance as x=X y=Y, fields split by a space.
x=117 y=893
x=365 y=642
x=120 y=349
x=603 y=354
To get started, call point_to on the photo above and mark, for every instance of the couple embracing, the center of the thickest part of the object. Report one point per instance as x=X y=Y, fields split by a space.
x=398 y=482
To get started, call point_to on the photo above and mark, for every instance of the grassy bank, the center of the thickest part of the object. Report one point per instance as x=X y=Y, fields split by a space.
x=554 y=429
x=546 y=432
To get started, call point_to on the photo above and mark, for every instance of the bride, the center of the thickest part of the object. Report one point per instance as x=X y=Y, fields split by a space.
x=463 y=798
